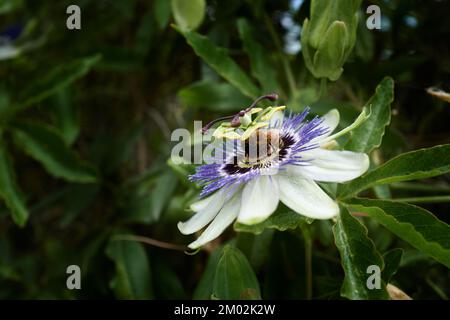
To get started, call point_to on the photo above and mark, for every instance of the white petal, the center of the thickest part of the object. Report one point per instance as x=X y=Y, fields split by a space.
x=260 y=199
x=205 y=215
x=304 y=196
x=277 y=119
x=363 y=116
x=332 y=165
x=201 y=204
x=331 y=121
x=8 y=52
x=225 y=217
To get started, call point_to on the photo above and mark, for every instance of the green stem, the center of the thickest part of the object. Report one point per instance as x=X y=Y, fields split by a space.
x=150 y=241
x=290 y=77
x=284 y=61
x=323 y=87
x=433 y=199
x=436 y=288
x=419 y=187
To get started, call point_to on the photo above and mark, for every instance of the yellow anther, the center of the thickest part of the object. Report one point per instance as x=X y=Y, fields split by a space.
x=267 y=116
x=247 y=133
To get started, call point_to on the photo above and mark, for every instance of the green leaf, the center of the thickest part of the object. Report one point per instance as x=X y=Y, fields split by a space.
x=370 y=134
x=169 y=285
x=218 y=59
x=7 y=272
x=133 y=275
x=110 y=151
x=261 y=64
x=144 y=197
x=418 y=164
x=204 y=288
x=77 y=198
x=358 y=252
x=162 y=12
x=4 y=103
x=234 y=277
x=255 y=247
x=382 y=192
x=182 y=171
x=147 y=200
x=144 y=36
x=66 y=117
x=54 y=80
x=392 y=261
x=9 y=190
x=8 y=6
x=213 y=96
x=188 y=14
x=124 y=59
x=415 y=225
x=45 y=145
x=164 y=188
x=281 y=221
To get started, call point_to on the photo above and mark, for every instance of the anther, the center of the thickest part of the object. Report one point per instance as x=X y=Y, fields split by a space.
x=236 y=122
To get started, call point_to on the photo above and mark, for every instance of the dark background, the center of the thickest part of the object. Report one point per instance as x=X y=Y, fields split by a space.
x=119 y=116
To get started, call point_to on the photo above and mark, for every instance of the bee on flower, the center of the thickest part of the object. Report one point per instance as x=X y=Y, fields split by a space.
x=273 y=157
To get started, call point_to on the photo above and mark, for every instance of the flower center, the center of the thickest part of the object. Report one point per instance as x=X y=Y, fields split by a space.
x=264 y=149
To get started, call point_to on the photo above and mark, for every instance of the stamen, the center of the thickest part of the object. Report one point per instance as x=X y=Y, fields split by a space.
x=210 y=124
x=235 y=122
x=271 y=97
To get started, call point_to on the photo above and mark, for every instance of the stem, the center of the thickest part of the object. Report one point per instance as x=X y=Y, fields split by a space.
x=285 y=63
x=433 y=199
x=211 y=123
x=323 y=87
x=436 y=288
x=271 y=97
x=150 y=241
x=289 y=76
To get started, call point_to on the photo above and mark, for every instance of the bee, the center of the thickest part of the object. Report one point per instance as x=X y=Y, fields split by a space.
x=263 y=144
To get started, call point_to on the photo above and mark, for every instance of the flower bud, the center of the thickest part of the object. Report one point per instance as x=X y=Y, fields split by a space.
x=329 y=36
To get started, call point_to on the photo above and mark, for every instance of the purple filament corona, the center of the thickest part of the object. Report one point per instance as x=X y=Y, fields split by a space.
x=295 y=135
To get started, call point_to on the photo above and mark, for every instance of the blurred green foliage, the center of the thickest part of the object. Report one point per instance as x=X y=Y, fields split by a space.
x=85 y=123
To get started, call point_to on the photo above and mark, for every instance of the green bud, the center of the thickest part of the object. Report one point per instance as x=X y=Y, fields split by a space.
x=329 y=36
